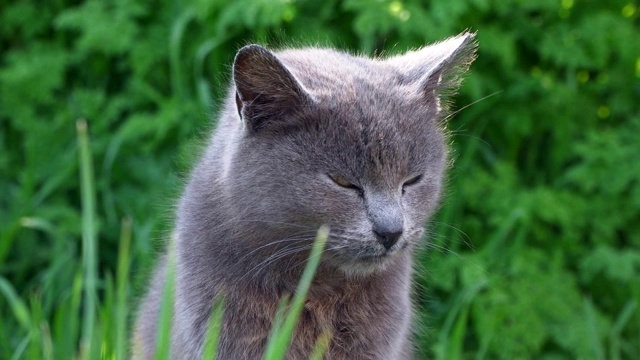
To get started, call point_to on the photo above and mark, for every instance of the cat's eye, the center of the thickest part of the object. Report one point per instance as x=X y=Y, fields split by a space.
x=343 y=182
x=411 y=181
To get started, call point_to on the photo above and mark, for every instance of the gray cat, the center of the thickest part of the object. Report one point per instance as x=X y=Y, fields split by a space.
x=310 y=137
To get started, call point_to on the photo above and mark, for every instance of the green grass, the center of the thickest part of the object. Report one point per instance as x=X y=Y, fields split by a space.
x=122 y=307
x=89 y=239
x=213 y=329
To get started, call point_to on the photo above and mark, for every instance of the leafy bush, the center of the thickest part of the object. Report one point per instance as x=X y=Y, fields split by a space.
x=535 y=254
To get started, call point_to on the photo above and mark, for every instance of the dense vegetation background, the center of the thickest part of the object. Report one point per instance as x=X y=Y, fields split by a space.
x=536 y=253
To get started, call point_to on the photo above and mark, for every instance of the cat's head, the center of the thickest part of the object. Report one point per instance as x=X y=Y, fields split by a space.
x=354 y=143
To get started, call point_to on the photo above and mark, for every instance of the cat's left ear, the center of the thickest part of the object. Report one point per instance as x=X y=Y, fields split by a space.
x=266 y=91
x=437 y=68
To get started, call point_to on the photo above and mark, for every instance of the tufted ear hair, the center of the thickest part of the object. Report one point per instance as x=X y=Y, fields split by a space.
x=266 y=91
x=437 y=68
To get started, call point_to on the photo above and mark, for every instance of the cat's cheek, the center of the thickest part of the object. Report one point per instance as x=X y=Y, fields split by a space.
x=329 y=207
x=422 y=203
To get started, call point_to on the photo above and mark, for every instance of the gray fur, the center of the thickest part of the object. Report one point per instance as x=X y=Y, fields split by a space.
x=253 y=204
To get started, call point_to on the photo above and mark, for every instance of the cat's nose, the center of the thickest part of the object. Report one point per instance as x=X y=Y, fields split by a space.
x=388 y=236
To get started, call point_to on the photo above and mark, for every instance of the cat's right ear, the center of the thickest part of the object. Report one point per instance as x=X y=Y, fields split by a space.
x=266 y=92
x=437 y=68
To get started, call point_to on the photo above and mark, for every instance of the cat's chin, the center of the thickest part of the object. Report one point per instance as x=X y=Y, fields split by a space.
x=369 y=261
x=366 y=266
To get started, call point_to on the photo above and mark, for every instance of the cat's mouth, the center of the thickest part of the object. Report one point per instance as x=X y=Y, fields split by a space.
x=365 y=260
x=377 y=254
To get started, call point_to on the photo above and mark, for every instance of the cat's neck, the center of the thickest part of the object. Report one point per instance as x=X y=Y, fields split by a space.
x=333 y=284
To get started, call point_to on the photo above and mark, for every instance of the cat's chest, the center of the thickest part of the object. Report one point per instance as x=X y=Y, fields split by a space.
x=356 y=323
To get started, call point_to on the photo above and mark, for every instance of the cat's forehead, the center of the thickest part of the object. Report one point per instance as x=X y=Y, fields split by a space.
x=377 y=138
x=355 y=86
x=326 y=73
x=379 y=126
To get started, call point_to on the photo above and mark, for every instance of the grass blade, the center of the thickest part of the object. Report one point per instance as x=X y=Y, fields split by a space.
x=20 y=349
x=282 y=335
x=452 y=332
x=163 y=338
x=621 y=321
x=278 y=319
x=213 y=329
x=121 y=289
x=19 y=308
x=594 y=331
x=321 y=347
x=89 y=251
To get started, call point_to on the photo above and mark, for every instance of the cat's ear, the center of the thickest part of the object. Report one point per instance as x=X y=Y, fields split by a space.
x=266 y=92
x=437 y=68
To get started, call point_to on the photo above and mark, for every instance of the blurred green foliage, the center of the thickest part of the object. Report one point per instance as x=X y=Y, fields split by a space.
x=535 y=254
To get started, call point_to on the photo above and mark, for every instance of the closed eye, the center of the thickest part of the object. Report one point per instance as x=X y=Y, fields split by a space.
x=412 y=181
x=343 y=182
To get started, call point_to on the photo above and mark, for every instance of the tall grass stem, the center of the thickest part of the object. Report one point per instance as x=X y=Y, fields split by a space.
x=89 y=249
x=122 y=281
x=213 y=329
x=282 y=335
x=163 y=337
